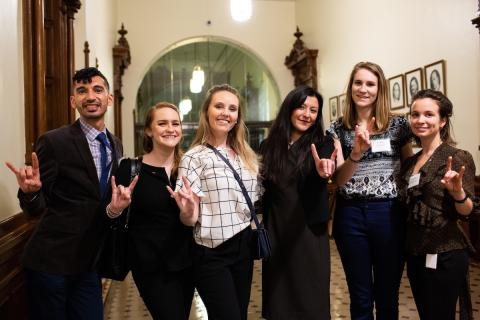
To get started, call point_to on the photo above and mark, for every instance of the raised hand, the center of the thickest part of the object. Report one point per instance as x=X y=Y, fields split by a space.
x=121 y=196
x=452 y=180
x=361 y=143
x=28 y=178
x=186 y=201
x=325 y=167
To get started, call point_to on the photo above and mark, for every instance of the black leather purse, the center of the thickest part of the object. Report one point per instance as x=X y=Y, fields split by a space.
x=113 y=261
x=261 y=248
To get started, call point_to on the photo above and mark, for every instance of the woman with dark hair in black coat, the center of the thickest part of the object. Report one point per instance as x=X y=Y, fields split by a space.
x=297 y=160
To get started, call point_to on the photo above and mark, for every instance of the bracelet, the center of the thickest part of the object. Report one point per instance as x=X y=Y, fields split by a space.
x=461 y=201
x=354 y=161
x=112 y=214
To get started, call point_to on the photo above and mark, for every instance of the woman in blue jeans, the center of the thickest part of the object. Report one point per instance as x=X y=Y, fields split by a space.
x=368 y=225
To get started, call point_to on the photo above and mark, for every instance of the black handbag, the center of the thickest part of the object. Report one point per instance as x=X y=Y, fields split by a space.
x=261 y=248
x=113 y=261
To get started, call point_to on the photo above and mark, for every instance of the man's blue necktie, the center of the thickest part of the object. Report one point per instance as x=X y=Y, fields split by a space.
x=102 y=137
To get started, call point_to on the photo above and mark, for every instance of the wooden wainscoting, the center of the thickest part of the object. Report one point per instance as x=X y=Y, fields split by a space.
x=14 y=233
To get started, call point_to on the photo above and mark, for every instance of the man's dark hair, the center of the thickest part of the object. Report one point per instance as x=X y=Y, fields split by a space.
x=85 y=75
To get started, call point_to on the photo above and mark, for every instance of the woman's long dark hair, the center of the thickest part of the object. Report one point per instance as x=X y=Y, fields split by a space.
x=274 y=150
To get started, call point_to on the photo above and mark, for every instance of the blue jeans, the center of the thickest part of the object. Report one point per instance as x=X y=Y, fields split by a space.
x=57 y=297
x=370 y=238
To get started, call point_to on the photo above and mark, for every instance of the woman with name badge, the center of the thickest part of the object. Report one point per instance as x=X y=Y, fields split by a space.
x=437 y=185
x=368 y=226
x=211 y=199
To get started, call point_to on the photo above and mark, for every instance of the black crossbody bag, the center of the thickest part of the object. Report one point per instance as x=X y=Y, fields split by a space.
x=113 y=262
x=260 y=242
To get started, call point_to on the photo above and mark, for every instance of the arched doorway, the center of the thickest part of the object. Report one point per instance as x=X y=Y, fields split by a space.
x=171 y=78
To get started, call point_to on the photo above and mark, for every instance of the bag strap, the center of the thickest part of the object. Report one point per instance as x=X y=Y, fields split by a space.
x=135 y=166
x=240 y=183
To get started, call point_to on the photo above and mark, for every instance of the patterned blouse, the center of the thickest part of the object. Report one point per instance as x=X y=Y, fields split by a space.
x=223 y=209
x=432 y=223
x=375 y=177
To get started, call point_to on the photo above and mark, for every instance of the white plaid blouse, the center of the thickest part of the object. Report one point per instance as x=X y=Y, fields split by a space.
x=223 y=209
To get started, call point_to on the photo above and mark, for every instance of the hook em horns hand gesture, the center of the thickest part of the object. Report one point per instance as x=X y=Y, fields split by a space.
x=186 y=201
x=361 y=143
x=325 y=167
x=452 y=180
x=121 y=196
x=28 y=177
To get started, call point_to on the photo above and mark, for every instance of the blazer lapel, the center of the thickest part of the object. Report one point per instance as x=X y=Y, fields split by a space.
x=116 y=152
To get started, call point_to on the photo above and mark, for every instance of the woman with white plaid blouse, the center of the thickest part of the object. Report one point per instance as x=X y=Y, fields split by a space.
x=210 y=199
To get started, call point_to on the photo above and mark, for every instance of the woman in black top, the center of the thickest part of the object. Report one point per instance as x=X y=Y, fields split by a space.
x=159 y=250
x=296 y=279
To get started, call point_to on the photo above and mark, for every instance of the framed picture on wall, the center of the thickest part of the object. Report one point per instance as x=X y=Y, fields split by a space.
x=396 y=90
x=342 y=101
x=333 y=104
x=413 y=83
x=435 y=76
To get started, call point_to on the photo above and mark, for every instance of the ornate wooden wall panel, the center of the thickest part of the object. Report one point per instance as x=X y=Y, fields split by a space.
x=14 y=233
x=302 y=62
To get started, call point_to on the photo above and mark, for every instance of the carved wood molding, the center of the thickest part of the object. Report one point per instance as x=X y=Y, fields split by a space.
x=302 y=62
x=70 y=7
x=121 y=61
x=86 y=52
x=476 y=21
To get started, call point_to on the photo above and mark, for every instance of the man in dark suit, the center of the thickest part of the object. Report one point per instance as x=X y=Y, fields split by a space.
x=68 y=183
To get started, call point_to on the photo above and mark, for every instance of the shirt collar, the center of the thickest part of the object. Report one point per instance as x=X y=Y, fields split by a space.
x=90 y=132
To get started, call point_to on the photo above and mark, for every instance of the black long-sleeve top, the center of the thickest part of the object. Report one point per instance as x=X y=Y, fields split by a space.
x=157 y=237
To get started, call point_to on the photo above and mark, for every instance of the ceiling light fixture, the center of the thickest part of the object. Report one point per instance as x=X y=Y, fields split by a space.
x=241 y=10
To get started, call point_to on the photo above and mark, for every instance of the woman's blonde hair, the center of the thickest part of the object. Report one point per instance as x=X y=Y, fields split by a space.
x=381 y=105
x=237 y=137
x=148 y=141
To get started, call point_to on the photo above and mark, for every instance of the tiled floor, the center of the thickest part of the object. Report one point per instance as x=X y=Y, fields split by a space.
x=123 y=301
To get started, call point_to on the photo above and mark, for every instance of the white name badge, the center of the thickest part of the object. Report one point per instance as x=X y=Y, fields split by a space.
x=381 y=145
x=431 y=261
x=414 y=180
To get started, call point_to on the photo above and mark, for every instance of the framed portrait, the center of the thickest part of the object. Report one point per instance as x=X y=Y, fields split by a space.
x=342 y=101
x=396 y=90
x=413 y=83
x=333 y=104
x=435 y=76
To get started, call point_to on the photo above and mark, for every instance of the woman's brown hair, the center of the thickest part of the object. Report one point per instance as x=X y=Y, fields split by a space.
x=148 y=141
x=381 y=106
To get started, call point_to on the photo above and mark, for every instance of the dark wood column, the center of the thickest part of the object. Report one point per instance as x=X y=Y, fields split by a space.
x=48 y=65
x=121 y=61
x=34 y=72
x=70 y=8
